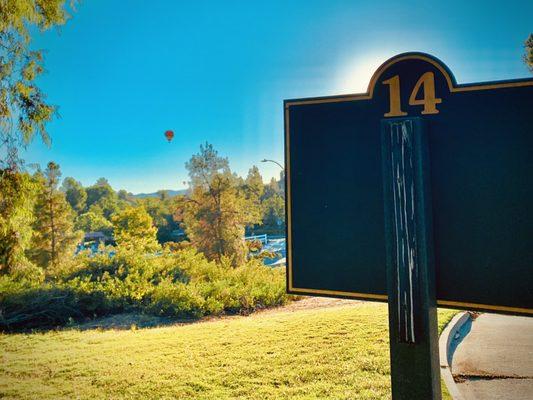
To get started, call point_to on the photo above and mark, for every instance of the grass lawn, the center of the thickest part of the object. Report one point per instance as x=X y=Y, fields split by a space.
x=336 y=353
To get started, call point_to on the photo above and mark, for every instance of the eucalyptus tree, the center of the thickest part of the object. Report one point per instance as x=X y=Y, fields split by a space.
x=24 y=110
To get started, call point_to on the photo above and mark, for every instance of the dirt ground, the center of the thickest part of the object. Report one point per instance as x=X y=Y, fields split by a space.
x=133 y=320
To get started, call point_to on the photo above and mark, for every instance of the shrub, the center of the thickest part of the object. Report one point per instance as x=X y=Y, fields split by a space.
x=181 y=284
x=175 y=300
x=27 y=305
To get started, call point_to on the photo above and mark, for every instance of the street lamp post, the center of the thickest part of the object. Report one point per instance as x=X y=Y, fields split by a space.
x=275 y=162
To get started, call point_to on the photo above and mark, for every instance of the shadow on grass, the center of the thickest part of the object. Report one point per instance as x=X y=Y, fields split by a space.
x=42 y=309
x=129 y=321
x=45 y=308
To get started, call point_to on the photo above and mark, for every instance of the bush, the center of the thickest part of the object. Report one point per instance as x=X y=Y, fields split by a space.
x=27 y=305
x=181 y=284
x=175 y=300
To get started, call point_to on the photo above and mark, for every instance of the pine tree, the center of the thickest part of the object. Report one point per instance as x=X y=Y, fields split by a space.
x=253 y=184
x=55 y=238
x=217 y=209
x=274 y=212
x=273 y=205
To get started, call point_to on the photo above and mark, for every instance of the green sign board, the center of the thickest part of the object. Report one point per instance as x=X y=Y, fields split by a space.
x=479 y=185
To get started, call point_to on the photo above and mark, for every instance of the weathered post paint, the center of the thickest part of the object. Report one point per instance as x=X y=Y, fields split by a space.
x=410 y=263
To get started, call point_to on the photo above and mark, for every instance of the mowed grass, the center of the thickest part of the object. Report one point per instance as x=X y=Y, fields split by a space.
x=329 y=353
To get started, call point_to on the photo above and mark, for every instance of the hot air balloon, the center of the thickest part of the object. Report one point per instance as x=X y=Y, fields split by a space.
x=169 y=135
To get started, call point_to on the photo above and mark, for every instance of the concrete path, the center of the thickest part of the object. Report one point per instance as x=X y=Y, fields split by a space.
x=495 y=360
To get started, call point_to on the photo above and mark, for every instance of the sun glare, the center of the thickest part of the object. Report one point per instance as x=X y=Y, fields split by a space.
x=355 y=75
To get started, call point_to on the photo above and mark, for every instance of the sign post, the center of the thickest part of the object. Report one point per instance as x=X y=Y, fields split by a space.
x=417 y=193
x=410 y=265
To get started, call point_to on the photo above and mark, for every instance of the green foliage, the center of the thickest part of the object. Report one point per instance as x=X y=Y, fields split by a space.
x=528 y=57
x=133 y=229
x=254 y=186
x=206 y=166
x=17 y=197
x=272 y=206
x=99 y=191
x=210 y=275
x=93 y=222
x=54 y=239
x=125 y=195
x=102 y=199
x=274 y=211
x=28 y=305
x=161 y=209
x=75 y=193
x=23 y=108
x=182 y=284
x=218 y=208
x=178 y=300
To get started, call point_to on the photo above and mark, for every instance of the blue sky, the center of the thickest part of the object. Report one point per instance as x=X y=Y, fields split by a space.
x=218 y=71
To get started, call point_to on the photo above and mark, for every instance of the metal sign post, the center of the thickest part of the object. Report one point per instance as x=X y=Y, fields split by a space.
x=413 y=332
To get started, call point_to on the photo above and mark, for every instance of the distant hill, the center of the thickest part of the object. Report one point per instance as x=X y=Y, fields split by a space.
x=171 y=193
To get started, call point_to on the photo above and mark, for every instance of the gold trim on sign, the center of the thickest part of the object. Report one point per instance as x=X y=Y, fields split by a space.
x=368 y=96
x=473 y=306
x=341 y=293
x=484 y=307
x=289 y=200
x=370 y=91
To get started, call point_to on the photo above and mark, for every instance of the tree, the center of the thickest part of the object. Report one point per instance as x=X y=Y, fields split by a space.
x=125 y=195
x=133 y=229
x=102 y=199
x=103 y=182
x=17 y=197
x=274 y=211
x=101 y=189
x=161 y=210
x=273 y=204
x=93 y=222
x=253 y=184
x=274 y=187
x=75 y=194
x=54 y=236
x=24 y=111
x=108 y=206
x=163 y=195
x=528 y=57
x=217 y=209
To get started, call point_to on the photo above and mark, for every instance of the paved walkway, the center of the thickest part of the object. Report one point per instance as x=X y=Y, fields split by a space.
x=495 y=360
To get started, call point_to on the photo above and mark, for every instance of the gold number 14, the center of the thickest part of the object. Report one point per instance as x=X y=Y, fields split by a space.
x=429 y=101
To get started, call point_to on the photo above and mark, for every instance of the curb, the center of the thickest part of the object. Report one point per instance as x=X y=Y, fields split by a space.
x=450 y=338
